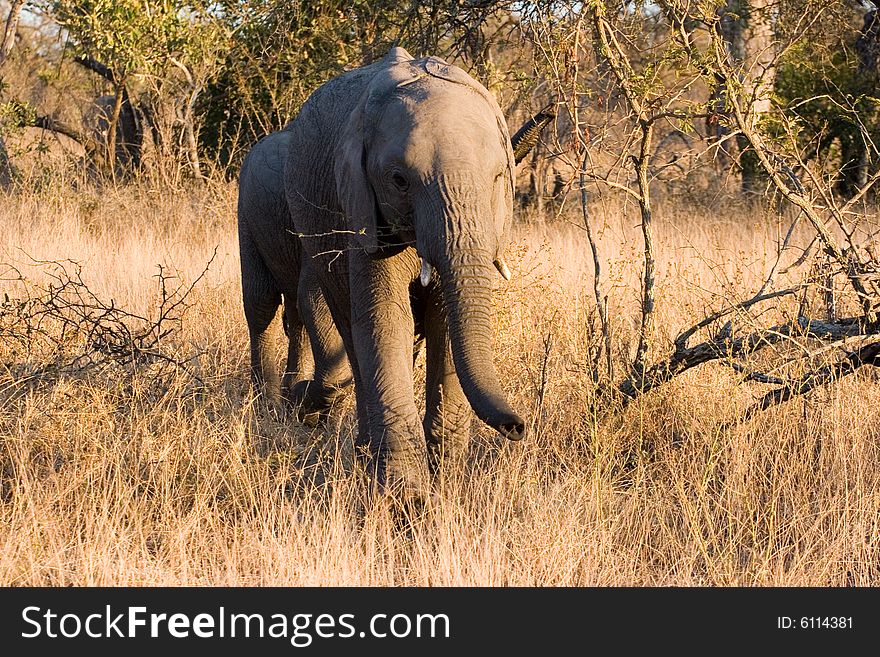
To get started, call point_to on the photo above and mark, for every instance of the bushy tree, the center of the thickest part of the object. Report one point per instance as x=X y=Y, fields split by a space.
x=282 y=50
x=831 y=93
x=158 y=45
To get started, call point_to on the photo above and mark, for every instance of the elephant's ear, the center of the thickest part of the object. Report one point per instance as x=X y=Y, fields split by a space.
x=506 y=190
x=352 y=187
x=504 y=207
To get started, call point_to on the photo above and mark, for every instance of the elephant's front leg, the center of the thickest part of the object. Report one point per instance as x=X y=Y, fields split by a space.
x=382 y=332
x=447 y=413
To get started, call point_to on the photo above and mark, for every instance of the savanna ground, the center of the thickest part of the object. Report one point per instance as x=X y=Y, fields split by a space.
x=174 y=475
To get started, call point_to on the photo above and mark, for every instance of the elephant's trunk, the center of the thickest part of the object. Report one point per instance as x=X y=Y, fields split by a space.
x=466 y=277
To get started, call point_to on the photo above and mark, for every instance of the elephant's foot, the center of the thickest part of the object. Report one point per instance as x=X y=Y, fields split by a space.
x=446 y=455
x=311 y=402
x=409 y=484
x=444 y=458
x=399 y=476
x=447 y=436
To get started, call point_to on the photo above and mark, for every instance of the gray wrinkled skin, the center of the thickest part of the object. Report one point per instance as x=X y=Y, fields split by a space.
x=388 y=164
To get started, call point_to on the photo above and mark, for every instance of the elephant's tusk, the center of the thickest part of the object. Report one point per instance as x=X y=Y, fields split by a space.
x=502 y=268
x=425 y=276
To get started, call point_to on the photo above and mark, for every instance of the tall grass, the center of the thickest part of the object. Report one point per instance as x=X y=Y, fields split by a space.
x=185 y=479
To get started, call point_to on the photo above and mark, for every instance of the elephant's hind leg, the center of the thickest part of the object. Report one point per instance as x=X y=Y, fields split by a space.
x=316 y=396
x=299 y=361
x=447 y=413
x=261 y=300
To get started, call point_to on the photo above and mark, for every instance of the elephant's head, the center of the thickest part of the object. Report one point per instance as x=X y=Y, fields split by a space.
x=426 y=161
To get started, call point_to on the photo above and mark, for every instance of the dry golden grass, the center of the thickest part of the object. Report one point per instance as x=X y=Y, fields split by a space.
x=142 y=480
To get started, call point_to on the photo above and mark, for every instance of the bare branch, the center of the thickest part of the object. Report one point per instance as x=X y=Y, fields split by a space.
x=866 y=355
x=96 y=67
x=749 y=375
x=846 y=256
x=53 y=125
x=725 y=346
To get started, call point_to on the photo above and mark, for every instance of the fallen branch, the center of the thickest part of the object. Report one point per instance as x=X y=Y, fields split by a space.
x=750 y=375
x=868 y=354
x=53 y=125
x=725 y=346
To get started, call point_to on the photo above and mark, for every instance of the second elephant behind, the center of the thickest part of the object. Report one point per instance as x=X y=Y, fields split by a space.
x=273 y=271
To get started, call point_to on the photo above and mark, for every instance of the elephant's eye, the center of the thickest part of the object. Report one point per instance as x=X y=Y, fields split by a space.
x=399 y=181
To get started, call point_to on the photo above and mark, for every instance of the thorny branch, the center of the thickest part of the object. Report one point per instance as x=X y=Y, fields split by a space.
x=64 y=328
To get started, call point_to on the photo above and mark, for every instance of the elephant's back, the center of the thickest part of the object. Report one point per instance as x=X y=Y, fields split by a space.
x=327 y=109
x=263 y=217
x=261 y=179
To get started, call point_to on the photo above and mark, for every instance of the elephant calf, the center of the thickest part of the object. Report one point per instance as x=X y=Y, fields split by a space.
x=399 y=176
x=394 y=210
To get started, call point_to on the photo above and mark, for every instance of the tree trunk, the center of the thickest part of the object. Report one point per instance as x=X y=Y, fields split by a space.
x=189 y=131
x=856 y=165
x=6 y=46
x=131 y=135
x=112 y=128
x=748 y=33
x=192 y=151
x=6 y=171
x=11 y=29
